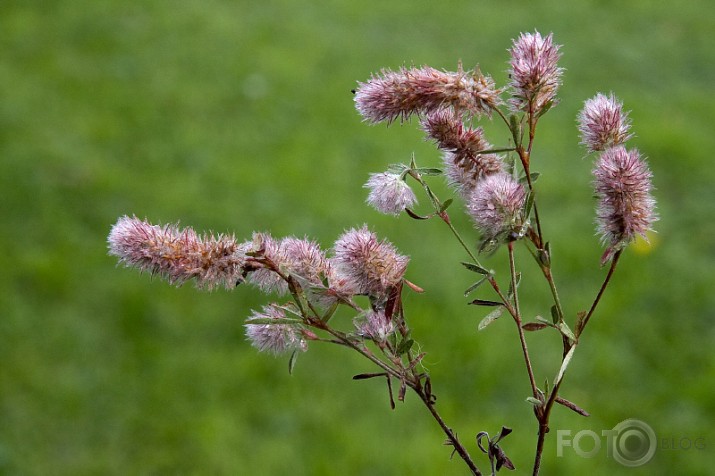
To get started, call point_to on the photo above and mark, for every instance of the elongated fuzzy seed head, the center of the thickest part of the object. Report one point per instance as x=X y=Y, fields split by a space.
x=178 y=255
x=602 y=123
x=626 y=208
x=534 y=72
x=496 y=205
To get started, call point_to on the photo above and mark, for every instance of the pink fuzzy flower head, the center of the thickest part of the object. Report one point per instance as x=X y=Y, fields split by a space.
x=535 y=76
x=304 y=259
x=367 y=265
x=274 y=338
x=178 y=255
x=374 y=325
x=266 y=279
x=497 y=206
x=396 y=95
x=389 y=193
x=626 y=207
x=462 y=146
x=301 y=258
x=603 y=123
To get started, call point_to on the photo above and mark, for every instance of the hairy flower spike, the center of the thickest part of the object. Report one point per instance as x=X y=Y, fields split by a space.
x=274 y=338
x=304 y=259
x=603 y=123
x=389 y=193
x=535 y=76
x=178 y=255
x=396 y=95
x=464 y=164
x=626 y=207
x=266 y=279
x=367 y=265
x=496 y=205
x=374 y=325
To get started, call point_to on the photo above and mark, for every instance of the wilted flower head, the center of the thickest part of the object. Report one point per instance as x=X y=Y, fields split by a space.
x=464 y=164
x=603 y=123
x=626 y=207
x=274 y=338
x=389 y=193
x=399 y=94
x=178 y=255
x=497 y=204
x=367 y=265
x=374 y=325
x=535 y=76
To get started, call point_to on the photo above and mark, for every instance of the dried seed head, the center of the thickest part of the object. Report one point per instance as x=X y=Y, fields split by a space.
x=535 y=76
x=274 y=338
x=626 y=207
x=497 y=204
x=367 y=265
x=603 y=123
x=389 y=193
x=178 y=255
x=464 y=164
x=396 y=95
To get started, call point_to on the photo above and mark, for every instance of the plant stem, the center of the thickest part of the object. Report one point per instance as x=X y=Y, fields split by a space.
x=451 y=436
x=544 y=420
x=517 y=319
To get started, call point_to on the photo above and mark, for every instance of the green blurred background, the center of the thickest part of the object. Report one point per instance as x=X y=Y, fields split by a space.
x=237 y=116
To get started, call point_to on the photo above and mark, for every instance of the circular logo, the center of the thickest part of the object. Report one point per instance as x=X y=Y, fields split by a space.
x=634 y=443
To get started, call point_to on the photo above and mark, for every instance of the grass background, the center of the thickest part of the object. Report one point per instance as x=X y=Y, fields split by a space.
x=237 y=116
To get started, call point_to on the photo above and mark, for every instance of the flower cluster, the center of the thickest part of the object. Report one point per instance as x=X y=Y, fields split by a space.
x=622 y=181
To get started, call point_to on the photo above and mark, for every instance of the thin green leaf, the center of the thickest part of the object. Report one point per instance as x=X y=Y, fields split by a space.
x=427 y=171
x=476 y=268
x=565 y=330
x=564 y=366
x=555 y=314
x=292 y=361
x=529 y=204
x=274 y=321
x=544 y=321
x=491 y=317
x=405 y=346
x=534 y=401
x=534 y=176
x=446 y=204
x=474 y=286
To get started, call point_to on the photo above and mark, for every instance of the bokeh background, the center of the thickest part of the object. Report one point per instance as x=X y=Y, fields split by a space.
x=236 y=116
